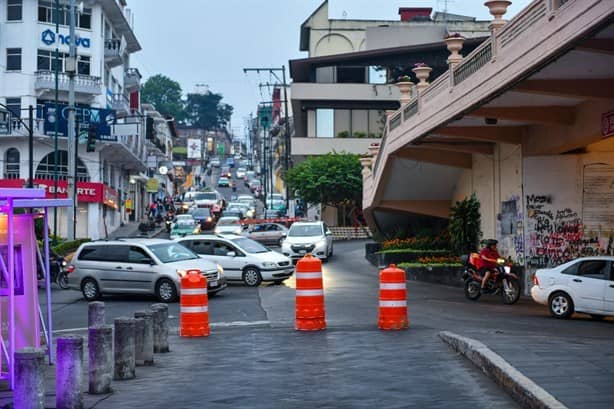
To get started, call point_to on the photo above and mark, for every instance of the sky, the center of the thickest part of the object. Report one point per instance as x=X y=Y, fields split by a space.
x=208 y=42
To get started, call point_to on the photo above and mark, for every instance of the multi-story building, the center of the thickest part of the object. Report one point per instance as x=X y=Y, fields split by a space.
x=341 y=92
x=110 y=180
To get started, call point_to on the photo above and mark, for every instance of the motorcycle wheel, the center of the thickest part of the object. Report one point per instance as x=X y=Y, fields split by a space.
x=512 y=294
x=472 y=290
x=63 y=280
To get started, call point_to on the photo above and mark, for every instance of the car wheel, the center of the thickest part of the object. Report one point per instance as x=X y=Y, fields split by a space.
x=90 y=290
x=252 y=277
x=166 y=290
x=561 y=305
x=63 y=280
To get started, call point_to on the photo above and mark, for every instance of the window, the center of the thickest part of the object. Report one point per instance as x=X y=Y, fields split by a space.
x=324 y=123
x=13 y=59
x=83 y=65
x=355 y=75
x=117 y=254
x=14 y=10
x=92 y=253
x=199 y=246
x=221 y=249
x=138 y=256
x=14 y=105
x=47 y=13
x=11 y=164
x=46 y=167
x=592 y=269
x=377 y=75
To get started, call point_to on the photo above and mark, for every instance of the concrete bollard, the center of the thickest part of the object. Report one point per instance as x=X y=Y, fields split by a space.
x=100 y=348
x=69 y=372
x=125 y=348
x=148 y=337
x=160 y=325
x=29 y=390
x=95 y=314
x=139 y=338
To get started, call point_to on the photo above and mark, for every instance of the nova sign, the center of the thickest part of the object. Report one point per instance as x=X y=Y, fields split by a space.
x=48 y=38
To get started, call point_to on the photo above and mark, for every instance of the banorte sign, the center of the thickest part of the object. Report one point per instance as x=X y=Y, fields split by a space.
x=87 y=192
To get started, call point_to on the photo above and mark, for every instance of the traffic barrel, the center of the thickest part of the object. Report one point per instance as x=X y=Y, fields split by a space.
x=310 y=314
x=194 y=310
x=392 y=299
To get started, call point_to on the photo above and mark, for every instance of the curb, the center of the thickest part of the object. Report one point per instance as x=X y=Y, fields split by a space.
x=522 y=389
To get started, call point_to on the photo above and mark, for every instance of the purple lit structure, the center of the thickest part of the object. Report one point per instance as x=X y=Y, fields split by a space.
x=18 y=278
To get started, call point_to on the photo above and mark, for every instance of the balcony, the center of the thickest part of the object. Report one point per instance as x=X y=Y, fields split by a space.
x=132 y=79
x=84 y=84
x=322 y=146
x=120 y=103
x=18 y=129
x=112 y=52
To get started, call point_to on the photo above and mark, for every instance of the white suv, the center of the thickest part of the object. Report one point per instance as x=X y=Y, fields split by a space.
x=242 y=258
x=308 y=237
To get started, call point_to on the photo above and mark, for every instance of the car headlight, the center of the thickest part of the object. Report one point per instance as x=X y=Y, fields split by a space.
x=220 y=271
x=269 y=264
x=181 y=273
x=238 y=232
x=216 y=231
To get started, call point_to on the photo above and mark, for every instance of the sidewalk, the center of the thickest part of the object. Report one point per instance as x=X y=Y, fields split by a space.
x=131 y=229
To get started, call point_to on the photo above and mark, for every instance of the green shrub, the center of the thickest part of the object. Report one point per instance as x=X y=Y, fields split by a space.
x=69 y=246
x=415 y=265
x=343 y=134
x=359 y=134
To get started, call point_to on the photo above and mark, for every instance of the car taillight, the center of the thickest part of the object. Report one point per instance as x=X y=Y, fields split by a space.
x=70 y=269
x=535 y=280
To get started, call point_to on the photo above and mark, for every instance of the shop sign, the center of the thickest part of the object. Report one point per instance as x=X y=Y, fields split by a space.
x=87 y=192
x=110 y=197
x=152 y=185
x=102 y=119
x=607 y=124
x=48 y=37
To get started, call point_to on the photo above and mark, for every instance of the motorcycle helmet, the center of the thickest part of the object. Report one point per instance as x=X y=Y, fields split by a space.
x=491 y=242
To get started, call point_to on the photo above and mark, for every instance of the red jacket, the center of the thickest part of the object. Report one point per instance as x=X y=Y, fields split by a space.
x=488 y=253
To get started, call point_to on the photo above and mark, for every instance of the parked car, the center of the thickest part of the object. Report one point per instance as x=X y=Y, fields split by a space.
x=240 y=173
x=184 y=226
x=242 y=258
x=267 y=233
x=228 y=225
x=138 y=266
x=223 y=182
x=204 y=217
x=582 y=285
x=308 y=237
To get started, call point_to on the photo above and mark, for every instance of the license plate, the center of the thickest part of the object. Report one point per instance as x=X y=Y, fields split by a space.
x=302 y=251
x=213 y=283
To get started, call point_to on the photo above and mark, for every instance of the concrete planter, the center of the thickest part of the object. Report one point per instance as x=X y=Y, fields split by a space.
x=385 y=259
x=452 y=276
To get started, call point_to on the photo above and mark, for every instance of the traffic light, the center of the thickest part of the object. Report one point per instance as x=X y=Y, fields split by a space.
x=91 y=139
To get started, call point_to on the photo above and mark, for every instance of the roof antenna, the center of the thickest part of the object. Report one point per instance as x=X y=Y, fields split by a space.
x=344 y=14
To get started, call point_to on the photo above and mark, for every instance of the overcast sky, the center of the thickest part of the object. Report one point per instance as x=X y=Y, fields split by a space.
x=211 y=41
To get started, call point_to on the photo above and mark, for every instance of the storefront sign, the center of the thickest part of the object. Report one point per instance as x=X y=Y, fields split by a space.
x=607 y=124
x=102 y=119
x=48 y=37
x=87 y=192
x=152 y=185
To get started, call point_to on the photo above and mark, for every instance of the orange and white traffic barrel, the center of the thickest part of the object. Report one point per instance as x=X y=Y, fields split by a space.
x=392 y=299
x=194 y=309
x=310 y=314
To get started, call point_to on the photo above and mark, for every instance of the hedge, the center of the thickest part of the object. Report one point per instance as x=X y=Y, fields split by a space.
x=69 y=246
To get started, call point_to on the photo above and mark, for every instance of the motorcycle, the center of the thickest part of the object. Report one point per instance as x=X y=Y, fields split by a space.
x=59 y=275
x=502 y=280
x=169 y=223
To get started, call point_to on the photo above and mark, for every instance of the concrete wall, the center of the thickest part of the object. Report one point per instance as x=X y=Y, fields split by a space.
x=322 y=146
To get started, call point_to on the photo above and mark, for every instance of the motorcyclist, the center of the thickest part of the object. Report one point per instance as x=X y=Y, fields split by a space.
x=488 y=260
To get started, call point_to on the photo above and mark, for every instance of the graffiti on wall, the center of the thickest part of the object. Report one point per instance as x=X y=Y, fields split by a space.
x=510 y=232
x=556 y=235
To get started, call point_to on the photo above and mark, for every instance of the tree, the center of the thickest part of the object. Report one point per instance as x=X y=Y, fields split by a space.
x=164 y=94
x=333 y=179
x=464 y=227
x=206 y=111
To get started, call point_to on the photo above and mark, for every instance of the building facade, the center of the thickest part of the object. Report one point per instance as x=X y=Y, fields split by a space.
x=110 y=180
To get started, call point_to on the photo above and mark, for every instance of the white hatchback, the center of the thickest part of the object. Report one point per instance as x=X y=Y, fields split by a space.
x=242 y=258
x=584 y=285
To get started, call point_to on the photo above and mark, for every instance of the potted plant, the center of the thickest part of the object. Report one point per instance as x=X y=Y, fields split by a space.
x=498 y=8
x=454 y=42
x=405 y=84
x=422 y=72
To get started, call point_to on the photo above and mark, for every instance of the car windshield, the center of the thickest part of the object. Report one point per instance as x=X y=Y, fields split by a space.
x=250 y=246
x=172 y=252
x=305 y=230
x=256 y=182
x=228 y=221
x=185 y=224
x=205 y=196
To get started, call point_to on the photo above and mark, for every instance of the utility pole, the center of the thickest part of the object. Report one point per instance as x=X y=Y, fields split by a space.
x=287 y=140
x=56 y=158
x=71 y=68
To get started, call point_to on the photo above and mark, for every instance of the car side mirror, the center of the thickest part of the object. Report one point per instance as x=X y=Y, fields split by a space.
x=329 y=233
x=284 y=235
x=231 y=254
